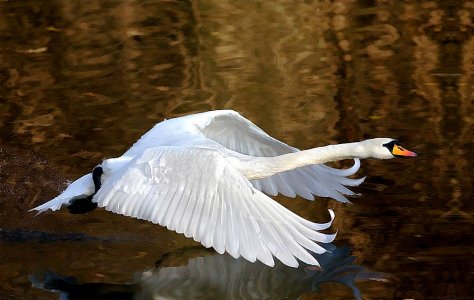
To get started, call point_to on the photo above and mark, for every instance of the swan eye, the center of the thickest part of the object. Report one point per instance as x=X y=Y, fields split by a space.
x=390 y=145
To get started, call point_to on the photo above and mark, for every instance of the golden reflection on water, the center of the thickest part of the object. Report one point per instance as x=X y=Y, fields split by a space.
x=81 y=81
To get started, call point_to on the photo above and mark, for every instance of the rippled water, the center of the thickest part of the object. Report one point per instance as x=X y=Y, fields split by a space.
x=82 y=80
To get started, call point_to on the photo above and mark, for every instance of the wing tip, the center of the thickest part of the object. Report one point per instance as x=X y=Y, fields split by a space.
x=38 y=211
x=42 y=208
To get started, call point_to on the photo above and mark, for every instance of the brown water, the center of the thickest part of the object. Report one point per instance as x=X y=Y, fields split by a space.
x=82 y=80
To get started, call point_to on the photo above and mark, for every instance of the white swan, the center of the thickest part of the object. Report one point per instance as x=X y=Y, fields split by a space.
x=202 y=175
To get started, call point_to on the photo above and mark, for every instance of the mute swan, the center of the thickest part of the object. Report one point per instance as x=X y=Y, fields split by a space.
x=202 y=175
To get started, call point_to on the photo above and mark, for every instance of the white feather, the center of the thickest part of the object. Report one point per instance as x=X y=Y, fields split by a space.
x=83 y=186
x=232 y=193
x=202 y=175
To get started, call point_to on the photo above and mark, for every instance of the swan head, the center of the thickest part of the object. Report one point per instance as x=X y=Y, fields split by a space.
x=386 y=148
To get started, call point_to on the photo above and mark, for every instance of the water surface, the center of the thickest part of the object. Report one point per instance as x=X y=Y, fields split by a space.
x=82 y=80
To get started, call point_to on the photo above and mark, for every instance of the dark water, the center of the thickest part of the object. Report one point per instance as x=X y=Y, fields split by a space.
x=82 y=80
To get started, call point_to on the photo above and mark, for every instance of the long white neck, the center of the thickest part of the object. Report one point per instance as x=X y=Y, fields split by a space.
x=262 y=167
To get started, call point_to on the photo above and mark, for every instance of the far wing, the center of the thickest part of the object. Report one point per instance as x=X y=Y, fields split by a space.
x=196 y=192
x=82 y=187
x=235 y=132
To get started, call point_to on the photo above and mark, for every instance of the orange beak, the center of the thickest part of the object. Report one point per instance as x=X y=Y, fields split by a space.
x=402 y=152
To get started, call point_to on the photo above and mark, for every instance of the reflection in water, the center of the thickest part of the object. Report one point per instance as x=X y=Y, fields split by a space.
x=83 y=79
x=220 y=277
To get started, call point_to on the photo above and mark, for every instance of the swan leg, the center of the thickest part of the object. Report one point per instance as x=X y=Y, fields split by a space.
x=85 y=205
x=96 y=174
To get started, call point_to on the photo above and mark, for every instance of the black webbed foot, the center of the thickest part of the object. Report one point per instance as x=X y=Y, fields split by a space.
x=82 y=205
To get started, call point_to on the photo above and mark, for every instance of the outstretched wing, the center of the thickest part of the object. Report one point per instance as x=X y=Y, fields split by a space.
x=82 y=187
x=196 y=192
x=235 y=132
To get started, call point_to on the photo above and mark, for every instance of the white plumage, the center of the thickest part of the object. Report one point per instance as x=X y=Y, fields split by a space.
x=202 y=175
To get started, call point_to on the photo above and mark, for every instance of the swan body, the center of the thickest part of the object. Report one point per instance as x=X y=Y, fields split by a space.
x=205 y=175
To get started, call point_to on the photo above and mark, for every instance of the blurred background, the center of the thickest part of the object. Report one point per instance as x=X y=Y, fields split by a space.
x=81 y=81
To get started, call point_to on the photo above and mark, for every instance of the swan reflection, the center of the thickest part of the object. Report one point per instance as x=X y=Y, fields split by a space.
x=219 y=277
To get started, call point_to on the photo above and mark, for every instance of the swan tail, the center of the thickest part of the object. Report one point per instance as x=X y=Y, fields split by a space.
x=82 y=187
